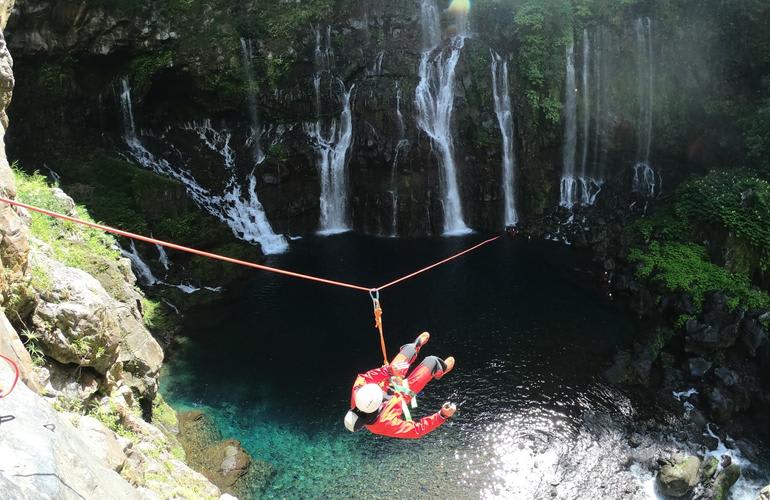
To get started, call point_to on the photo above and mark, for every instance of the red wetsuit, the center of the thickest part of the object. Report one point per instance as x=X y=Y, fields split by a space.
x=389 y=422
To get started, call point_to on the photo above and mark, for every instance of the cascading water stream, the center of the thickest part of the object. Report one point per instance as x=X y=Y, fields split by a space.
x=332 y=148
x=331 y=142
x=504 y=113
x=586 y=111
x=584 y=184
x=401 y=146
x=163 y=258
x=255 y=137
x=569 y=185
x=141 y=269
x=646 y=181
x=246 y=218
x=434 y=99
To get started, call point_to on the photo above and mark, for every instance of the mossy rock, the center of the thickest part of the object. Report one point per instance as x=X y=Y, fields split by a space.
x=224 y=463
x=677 y=477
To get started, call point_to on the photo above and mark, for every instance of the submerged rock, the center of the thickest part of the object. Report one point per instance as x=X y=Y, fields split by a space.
x=678 y=475
x=224 y=463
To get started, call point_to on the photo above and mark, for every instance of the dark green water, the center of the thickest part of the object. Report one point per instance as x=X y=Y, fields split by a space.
x=273 y=362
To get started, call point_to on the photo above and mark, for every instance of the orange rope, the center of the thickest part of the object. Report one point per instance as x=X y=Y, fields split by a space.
x=378 y=326
x=374 y=292
x=408 y=276
x=181 y=248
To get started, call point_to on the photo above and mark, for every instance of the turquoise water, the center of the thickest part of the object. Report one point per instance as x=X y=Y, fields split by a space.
x=274 y=359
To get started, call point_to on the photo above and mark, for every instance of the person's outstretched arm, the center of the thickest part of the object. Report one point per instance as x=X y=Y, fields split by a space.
x=392 y=425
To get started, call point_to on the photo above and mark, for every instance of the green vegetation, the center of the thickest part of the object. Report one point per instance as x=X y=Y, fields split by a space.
x=72 y=244
x=109 y=415
x=163 y=414
x=736 y=202
x=157 y=318
x=731 y=208
x=143 y=68
x=544 y=29
x=32 y=344
x=684 y=267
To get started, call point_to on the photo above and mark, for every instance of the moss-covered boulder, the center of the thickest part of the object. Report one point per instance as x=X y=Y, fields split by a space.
x=224 y=463
x=724 y=481
x=678 y=475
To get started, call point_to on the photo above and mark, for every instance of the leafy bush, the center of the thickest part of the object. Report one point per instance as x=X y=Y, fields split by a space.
x=72 y=244
x=736 y=201
x=684 y=267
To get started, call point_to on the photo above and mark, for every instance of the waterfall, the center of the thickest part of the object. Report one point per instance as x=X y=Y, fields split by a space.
x=331 y=142
x=504 y=113
x=246 y=218
x=163 y=257
x=376 y=68
x=140 y=267
x=584 y=186
x=431 y=25
x=586 y=104
x=401 y=145
x=569 y=186
x=645 y=180
x=434 y=99
x=601 y=73
x=332 y=149
x=254 y=141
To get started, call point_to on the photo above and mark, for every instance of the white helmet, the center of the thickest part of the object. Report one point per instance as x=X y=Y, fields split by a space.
x=369 y=398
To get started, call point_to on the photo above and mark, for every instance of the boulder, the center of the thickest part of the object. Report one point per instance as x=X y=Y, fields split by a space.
x=12 y=348
x=42 y=456
x=709 y=468
x=752 y=335
x=224 y=463
x=764 y=494
x=728 y=377
x=73 y=317
x=698 y=367
x=721 y=407
x=724 y=481
x=102 y=442
x=678 y=475
x=82 y=324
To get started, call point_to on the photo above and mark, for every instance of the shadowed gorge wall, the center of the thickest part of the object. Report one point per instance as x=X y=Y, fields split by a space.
x=707 y=66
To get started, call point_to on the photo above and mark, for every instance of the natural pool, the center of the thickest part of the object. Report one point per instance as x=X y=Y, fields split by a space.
x=274 y=359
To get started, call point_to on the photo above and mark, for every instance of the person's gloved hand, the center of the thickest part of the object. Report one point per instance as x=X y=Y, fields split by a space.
x=448 y=410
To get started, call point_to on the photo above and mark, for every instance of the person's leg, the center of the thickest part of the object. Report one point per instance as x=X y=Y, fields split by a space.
x=407 y=355
x=431 y=367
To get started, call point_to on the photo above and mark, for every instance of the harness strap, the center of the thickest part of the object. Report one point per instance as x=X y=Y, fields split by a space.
x=405 y=390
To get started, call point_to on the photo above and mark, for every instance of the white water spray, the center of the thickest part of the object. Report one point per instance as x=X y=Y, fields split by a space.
x=504 y=112
x=255 y=137
x=646 y=181
x=401 y=146
x=245 y=217
x=331 y=142
x=569 y=185
x=434 y=99
x=163 y=257
x=140 y=267
x=332 y=147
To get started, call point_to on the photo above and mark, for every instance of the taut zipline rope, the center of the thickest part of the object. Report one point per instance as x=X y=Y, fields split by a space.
x=373 y=291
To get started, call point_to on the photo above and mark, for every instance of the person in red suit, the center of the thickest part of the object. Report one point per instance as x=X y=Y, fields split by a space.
x=381 y=398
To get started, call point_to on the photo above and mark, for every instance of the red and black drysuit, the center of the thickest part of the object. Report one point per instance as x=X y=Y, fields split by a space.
x=388 y=421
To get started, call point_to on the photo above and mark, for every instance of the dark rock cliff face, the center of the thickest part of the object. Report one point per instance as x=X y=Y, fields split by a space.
x=184 y=62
